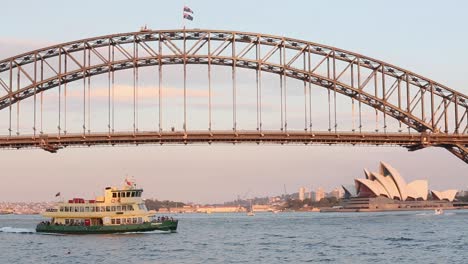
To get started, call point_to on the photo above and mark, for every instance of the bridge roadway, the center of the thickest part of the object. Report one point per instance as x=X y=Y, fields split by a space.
x=412 y=141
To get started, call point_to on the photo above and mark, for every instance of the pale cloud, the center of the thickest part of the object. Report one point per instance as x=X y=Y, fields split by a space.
x=10 y=47
x=126 y=93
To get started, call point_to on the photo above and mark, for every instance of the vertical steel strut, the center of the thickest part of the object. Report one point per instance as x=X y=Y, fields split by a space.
x=209 y=82
x=185 y=82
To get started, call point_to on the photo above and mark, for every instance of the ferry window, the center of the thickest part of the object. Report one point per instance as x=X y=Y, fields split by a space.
x=140 y=220
x=123 y=195
x=81 y=209
x=86 y=209
x=134 y=220
x=123 y=220
x=107 y=208
x=124 y=208
x=133 y=194
x=118 y=194
x=67 y=221
x=130 y=207
x=117 y=221
x=129 y=220
x=113 y=221
x=114 y=195
x=93 y=208
x=61 y=209
x=119 y=208
x=77 y=209
x=103 y=209
x=113 y=208
x=128 y=194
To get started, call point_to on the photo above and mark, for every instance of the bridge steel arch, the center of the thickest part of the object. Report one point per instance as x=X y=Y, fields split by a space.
x=438 y=113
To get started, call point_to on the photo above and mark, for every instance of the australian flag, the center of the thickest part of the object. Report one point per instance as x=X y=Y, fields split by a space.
x=187 y=16
x=187 y=13
x=188 y=10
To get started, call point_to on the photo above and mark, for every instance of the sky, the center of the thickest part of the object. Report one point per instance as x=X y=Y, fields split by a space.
x=426 y=37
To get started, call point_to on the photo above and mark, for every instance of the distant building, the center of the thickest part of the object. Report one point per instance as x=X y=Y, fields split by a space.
x=220 y=209
x=337 y=193
x=312 y=196
x=261 y=208
x=319 y=194
x=302 y=192
x=275 y=199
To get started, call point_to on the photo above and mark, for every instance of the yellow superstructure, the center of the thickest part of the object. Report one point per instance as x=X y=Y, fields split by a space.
x=118 y=206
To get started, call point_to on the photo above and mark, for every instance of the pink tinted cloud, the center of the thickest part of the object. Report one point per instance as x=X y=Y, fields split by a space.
x=125 y=92
x=10 y=47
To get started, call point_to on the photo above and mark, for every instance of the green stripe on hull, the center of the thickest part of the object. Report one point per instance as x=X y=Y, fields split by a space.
x=145 y=227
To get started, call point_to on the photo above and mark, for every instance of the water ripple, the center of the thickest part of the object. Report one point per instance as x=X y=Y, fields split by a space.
x=403 y=237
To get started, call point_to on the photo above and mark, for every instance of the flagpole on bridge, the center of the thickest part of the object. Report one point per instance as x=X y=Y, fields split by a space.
x=183 y=17
x=186 y=11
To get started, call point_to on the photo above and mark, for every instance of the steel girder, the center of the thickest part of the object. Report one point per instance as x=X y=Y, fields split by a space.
x=422 y=104
x=201 y=137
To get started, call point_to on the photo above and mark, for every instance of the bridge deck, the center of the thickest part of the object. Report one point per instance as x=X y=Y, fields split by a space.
x=414 y=140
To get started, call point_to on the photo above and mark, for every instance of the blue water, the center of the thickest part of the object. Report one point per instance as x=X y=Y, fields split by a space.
x=390 y=237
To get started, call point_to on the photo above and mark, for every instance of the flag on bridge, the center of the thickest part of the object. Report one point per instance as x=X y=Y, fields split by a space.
x=188 y=10
x=187 y=16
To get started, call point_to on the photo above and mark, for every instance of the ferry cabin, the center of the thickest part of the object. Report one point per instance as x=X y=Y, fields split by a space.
x=116 y=207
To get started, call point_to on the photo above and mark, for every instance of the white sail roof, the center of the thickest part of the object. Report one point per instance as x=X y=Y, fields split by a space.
x=388 y=184
x=418 y=189
x=367 y=174
x=400 y=183
x=444 y=195
x=373 y=186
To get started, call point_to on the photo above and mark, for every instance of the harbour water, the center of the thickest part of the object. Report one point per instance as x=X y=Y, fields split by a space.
x=387 y=237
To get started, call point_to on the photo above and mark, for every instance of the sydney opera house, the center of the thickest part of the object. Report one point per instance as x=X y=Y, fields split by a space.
x=387 y=190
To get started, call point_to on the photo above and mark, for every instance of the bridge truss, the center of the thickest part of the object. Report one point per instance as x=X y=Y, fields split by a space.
x=426 y=113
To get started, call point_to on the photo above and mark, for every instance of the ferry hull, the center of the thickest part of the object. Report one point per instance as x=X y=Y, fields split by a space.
x=145 y=227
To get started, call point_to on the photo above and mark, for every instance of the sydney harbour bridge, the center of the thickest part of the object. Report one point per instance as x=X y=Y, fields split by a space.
x=119 y=89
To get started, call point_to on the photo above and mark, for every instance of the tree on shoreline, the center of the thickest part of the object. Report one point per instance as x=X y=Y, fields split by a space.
x=154 y=204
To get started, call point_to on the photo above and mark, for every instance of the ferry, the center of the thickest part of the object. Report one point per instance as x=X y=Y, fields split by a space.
x=120 y=210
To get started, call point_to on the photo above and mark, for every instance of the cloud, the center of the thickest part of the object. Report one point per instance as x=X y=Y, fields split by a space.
x=126 y=93
x=14 y=46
